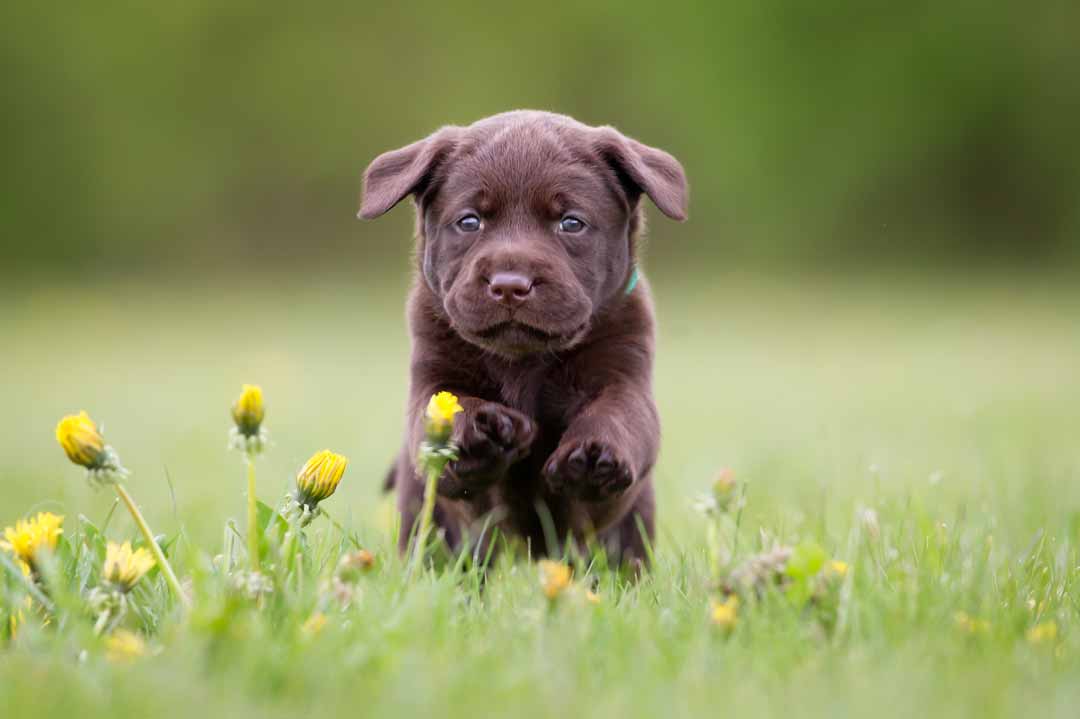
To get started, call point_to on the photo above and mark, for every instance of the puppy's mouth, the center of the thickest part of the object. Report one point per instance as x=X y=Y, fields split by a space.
x=510 y=327
x=518 y=338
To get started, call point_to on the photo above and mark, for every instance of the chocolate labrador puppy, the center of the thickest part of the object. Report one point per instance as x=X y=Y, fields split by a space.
x=529 y=305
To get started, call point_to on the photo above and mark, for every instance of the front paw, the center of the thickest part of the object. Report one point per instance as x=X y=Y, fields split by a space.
x=490 y=438
x=589 y=470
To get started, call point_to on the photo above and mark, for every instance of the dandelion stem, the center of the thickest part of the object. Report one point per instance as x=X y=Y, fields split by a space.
x=252 y=516
x=166 y=568
x=288 y=552
x=427 y=514
x=102 y=620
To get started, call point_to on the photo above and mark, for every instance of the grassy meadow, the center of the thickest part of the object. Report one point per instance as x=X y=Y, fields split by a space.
x=924 y=430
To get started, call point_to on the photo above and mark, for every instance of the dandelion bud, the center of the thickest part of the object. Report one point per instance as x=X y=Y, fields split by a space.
x=248 y=412
x=723 y=488
x=725 y=614
x=316 y=481
x=83 y=444
x=124 y=567
x=29 y=538
x=353 y=565
x=319 y=478
x=554 y=578
x=439 y=417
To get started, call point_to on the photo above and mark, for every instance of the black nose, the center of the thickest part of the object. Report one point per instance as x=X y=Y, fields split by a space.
x=509 y=288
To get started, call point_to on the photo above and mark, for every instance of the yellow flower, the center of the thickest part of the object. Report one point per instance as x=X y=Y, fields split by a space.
x=124 y=567
x=319 y=478
x=123 y=646
x=969 y=624
x=314 y=625
x=30 y=536
x=554 y=578
x=248 y=411
x=725 y=614
x=1040 y=633
x=83 y=444
x=440 y=415
x=837 y=568
x=81 y=440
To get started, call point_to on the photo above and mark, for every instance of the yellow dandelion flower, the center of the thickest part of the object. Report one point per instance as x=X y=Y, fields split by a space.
x=440 y=415
x=319 y=477
x=81 y=440
x=248 y=411
x=1042 y=633
x=969 y=624
x=123 y=646
x=837 y=568
x=725 y=614
x=124 y=567
x=314 y=625
x=554 y=578
x=29 y=537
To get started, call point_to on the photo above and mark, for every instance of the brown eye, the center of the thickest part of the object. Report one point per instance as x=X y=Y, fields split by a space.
x=469 y=223
x=571 y=225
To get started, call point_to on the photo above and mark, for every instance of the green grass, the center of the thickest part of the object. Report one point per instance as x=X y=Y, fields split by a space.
x=950 y=409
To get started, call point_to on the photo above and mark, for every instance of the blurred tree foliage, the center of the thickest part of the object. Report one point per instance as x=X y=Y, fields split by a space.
x=832 y=131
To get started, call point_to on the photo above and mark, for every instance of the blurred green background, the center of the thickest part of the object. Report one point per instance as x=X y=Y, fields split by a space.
x=193 y=134
x=877 y=271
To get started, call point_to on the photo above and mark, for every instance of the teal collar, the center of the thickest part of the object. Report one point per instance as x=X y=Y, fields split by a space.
x=632 y=282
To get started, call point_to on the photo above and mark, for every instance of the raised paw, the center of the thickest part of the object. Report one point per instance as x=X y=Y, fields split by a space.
x=490 y=438
x=588 y=470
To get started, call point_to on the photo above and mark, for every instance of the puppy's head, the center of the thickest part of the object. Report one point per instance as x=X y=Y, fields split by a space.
x=526 y=222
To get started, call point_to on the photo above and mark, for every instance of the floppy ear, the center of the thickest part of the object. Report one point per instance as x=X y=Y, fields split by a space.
x=641 y=168
x=393 y=175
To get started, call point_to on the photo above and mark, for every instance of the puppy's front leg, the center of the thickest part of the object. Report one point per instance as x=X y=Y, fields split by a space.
x=611 y=444
x=490 y=438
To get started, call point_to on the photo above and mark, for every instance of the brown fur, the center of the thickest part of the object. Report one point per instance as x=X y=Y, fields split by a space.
x=530 y=325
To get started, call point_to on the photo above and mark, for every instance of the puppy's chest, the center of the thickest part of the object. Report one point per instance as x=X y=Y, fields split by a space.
x=542 y=391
